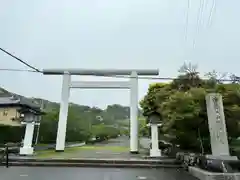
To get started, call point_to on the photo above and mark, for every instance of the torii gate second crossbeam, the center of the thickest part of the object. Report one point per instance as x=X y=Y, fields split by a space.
x=131 y=84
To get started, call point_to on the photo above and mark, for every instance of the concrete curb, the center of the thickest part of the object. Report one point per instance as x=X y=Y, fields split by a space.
x=94 y=160
x=131 y=163
x=99 y=165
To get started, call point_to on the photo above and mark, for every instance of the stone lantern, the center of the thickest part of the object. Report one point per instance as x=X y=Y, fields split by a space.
x=154 y=121
x=30 y=118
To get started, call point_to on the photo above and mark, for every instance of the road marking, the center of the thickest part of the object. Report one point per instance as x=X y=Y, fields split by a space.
x=100 y=152
x=23 y=175
x=141 y=177
x=107 y=177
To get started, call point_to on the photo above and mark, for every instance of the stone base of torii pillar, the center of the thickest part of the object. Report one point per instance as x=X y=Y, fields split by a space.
x=155 y=151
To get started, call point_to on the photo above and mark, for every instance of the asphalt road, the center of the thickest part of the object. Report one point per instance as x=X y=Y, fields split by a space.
x=47 y=173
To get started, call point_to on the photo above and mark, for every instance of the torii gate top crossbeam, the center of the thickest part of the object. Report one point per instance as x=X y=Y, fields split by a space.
x=99 y=72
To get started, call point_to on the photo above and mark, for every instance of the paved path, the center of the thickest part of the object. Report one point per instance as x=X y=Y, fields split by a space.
x=113 y=148
x=145 y=142
x=52 y=146
x=47 y=173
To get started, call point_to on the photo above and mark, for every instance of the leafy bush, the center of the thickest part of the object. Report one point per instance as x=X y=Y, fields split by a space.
x=103 y=132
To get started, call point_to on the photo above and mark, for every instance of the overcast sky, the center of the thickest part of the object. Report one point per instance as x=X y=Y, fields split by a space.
x=113 y=34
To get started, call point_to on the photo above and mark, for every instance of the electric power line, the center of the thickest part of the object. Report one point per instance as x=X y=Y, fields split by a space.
x=129 y=77
x=202 y=13
x=212 y=11
x=20 y=60
x=18 y=70
x=186 y=30
x=187 y=19
x=199 y=19
x=158 y=78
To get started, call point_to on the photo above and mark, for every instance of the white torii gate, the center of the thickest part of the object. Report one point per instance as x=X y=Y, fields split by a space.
x=132 y=84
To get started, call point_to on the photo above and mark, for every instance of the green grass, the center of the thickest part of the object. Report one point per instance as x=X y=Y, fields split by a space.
x=111 y=148
x=72 y=150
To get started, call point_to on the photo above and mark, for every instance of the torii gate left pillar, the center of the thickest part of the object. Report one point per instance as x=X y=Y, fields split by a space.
x=132 y=84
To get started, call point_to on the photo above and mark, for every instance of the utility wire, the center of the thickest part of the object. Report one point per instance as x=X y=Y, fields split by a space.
x=212 y=11
x=158 y=78
x=36 y=70
x=187 y=20
x=199 y=19
x=185 y=55
x=202 y=12
x=129 y=77
x=17 y=70
x=20 y=60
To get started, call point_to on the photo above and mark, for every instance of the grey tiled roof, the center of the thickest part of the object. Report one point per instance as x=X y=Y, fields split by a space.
x=15 y=99
x=9 y=100
x=29 y=102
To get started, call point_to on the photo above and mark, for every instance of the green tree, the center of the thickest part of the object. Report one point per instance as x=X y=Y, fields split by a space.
x=183 y=107
x=81 y=123
x=48 y=127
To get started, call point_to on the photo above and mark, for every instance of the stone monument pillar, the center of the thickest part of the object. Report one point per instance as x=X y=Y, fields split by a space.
x=217 y=127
